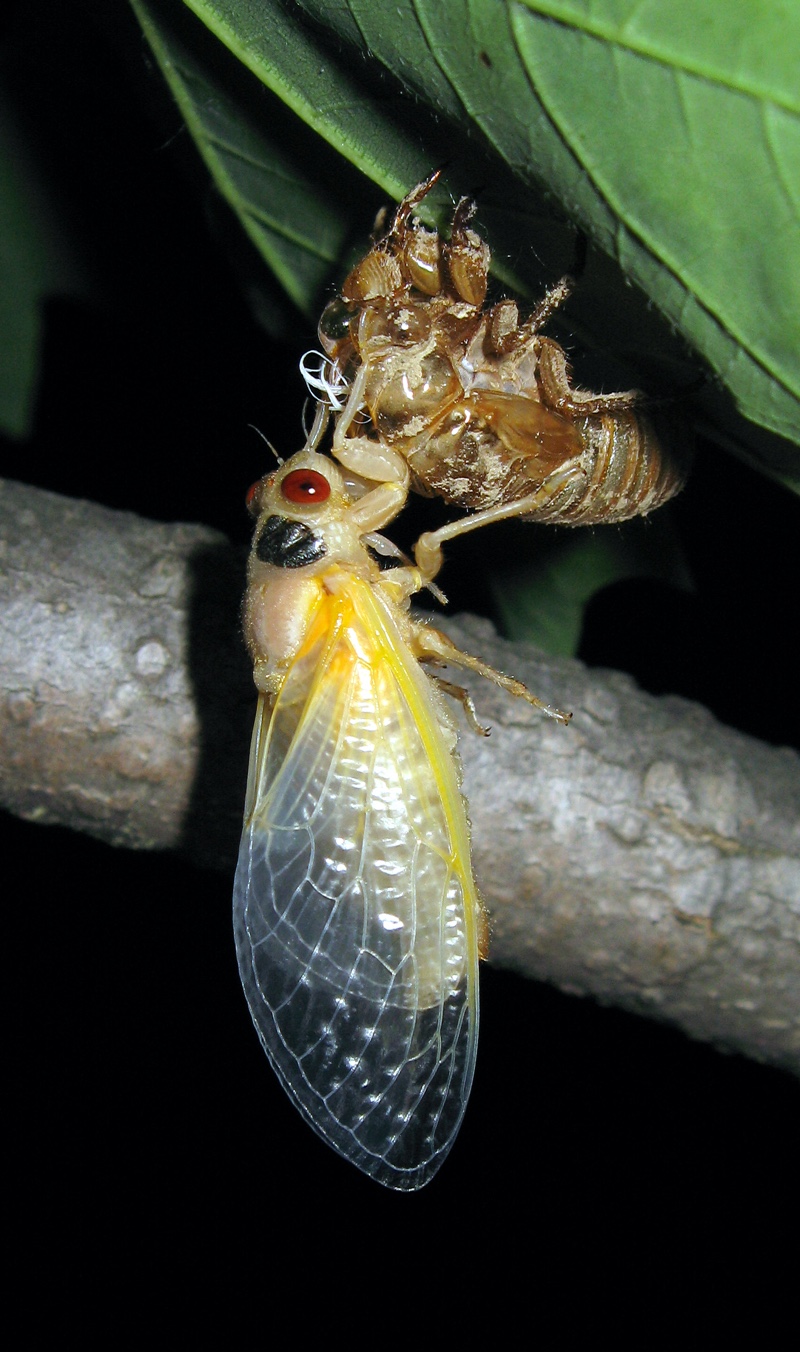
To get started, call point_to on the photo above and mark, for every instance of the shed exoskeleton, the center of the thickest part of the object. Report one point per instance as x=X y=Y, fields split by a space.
x=472 y=404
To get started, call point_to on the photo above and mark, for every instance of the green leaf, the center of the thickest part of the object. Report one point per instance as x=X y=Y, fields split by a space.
x=275 y=43
x=293 y=192
x=690 y=137
x=253 y=151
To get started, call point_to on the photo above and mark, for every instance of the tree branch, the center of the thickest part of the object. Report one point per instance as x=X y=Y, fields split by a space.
x=646 y=855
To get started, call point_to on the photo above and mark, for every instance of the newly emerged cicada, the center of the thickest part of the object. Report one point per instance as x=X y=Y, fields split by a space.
x=475 y=405
x=358 y=923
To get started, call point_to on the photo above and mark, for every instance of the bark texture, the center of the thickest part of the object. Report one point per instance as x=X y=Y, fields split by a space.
x=646 y=855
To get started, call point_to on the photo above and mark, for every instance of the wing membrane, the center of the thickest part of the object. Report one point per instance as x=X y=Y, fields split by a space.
x=354 y=906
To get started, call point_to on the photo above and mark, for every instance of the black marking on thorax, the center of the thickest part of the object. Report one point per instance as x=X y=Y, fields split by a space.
x=289 y=544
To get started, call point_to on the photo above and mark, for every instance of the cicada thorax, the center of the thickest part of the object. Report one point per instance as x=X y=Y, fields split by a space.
x=479 y=404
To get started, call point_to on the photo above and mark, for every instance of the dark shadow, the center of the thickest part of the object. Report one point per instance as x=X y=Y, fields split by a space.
x=221 y=675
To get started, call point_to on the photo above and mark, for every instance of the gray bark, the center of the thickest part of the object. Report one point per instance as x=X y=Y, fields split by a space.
x=646 y=855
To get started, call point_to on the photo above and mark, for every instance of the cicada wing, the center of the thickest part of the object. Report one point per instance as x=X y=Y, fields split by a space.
x=355 y=914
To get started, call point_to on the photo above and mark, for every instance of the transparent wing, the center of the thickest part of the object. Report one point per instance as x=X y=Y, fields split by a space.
x=355 y=911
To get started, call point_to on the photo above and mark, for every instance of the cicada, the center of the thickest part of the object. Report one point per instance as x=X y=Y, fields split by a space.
x=357 y=919
x=472 y=403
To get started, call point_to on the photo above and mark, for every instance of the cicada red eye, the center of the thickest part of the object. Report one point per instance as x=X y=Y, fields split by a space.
x=251 y=497
x=305 y=486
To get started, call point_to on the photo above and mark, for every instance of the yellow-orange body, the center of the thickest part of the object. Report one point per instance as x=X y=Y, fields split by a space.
x=357 y=919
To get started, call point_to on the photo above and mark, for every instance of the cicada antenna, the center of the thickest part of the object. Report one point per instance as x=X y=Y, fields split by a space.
x=259 y=433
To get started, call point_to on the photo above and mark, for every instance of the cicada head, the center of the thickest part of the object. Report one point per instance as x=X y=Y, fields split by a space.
x=308 y=487
x=304 y=517
x=303 y=530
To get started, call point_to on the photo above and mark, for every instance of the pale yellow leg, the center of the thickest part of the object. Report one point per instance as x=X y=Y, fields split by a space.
x=432 y=644
x=465 y=700
x=428 y=549
x=378 y=507
x=317 y=428
x=370 y=459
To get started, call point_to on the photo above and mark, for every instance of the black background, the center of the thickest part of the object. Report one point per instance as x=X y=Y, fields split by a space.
x=150 y=1124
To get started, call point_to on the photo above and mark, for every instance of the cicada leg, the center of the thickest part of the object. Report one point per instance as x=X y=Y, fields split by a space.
x=465 y=700
x=562 y=481
x=506 y=335
x=551 y=301
x=378 y=507
x=370 y=459
x=559 y=394
x=318 y=426
x=432 y=644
